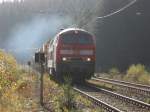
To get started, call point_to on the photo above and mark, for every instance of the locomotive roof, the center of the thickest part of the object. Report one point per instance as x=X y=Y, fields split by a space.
x=72 y=29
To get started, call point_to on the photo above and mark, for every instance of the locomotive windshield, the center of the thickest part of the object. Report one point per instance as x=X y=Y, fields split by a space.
x=77 y=38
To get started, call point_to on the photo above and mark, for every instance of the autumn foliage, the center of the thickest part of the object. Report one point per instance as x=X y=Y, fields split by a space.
x=8 y=70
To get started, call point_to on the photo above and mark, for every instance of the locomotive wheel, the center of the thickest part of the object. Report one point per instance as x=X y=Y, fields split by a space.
x=58 y=75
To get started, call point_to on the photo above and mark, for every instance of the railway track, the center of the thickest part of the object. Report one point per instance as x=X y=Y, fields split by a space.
x=107 y=99
x=138 y=88
x=146 y=87
x=98 y=102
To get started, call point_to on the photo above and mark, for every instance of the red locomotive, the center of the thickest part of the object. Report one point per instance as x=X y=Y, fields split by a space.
x=72 y=52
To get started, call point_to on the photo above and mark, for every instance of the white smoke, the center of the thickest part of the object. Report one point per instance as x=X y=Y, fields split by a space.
x=27 y=36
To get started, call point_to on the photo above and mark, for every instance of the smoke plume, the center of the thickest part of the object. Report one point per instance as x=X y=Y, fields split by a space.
x=28 y=36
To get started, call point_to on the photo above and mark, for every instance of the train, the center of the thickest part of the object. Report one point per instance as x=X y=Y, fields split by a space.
x=71 y=52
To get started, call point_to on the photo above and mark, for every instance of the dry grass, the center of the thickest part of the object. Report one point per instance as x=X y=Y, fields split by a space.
x=135 y=73
x=138 y=73
x=19 y=97
x=55 y=95
x=19 y=91
x=16 y=86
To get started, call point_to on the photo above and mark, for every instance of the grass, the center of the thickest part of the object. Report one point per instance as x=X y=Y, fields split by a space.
x=113 y=72
x=17 y=97
x=103 y=85
x=62 y=98
x=147 y=100
x=136 y=73
x=16 y=86
x=19 y=91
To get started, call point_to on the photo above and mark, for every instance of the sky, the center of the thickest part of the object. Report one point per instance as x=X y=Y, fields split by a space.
x=8 y=0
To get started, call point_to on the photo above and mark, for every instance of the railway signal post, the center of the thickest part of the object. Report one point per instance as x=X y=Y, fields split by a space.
x=40 y=59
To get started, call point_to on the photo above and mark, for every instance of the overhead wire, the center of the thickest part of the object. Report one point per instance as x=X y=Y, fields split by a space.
x=118 y=11
x=113 y=13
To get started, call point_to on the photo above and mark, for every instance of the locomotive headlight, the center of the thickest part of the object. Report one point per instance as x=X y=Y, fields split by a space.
x=88 y=59
x=64 y=59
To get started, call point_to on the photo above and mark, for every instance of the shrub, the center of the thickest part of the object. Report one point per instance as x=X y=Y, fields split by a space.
x=145 y=78
x=113 y=71
x=136 y=70
x=138 y=73
x=8 y=70
x=14 y=91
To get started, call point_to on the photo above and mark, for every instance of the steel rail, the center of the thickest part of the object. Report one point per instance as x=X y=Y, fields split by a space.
x=128 y=83
x=130 y=87
x=98 y=102
x=124 y=98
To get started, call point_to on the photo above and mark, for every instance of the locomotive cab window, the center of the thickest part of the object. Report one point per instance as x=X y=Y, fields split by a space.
x=77 y=38
x=85 y=39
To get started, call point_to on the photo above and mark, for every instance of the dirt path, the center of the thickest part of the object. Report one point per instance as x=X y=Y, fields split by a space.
x=33 y=100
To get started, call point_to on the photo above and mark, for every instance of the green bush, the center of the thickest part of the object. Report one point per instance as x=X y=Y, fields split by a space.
x=145 y=78
x=136 y=70
x=113 y=71
x=138 y=73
